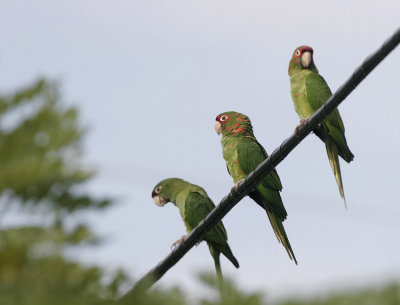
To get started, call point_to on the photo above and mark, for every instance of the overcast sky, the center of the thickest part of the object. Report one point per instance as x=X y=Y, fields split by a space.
x=151 y=76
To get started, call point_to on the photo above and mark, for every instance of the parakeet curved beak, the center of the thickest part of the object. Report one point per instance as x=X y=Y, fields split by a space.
x=158 y=200
x=306 y=59
x=217 y=127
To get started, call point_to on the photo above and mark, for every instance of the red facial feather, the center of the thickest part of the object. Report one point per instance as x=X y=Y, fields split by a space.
x=302 y=49
x=235 y=122
x=306 y=49
x=219 y=118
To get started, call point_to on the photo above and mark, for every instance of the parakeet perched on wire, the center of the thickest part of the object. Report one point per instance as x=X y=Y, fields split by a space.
x=194 y=205
x=309 y=92
x=243 y=154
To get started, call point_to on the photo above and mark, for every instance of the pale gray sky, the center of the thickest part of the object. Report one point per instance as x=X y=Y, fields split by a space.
x=150 y=78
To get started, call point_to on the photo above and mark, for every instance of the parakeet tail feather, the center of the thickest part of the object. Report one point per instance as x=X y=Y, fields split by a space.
x=215 y=254
x=228 y=253
x=281 y=234
x=332 y=150
x=225 y=250
x=218 y=270
x=343 y=150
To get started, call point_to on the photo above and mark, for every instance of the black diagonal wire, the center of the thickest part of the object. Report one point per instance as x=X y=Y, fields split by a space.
x=229 y=201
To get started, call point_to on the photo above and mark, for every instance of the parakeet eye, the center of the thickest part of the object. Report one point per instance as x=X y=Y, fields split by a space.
x=158 y=189
x=297 y=53
x=223 y=118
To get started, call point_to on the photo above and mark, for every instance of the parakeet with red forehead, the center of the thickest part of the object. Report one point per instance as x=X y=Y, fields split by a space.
x=194 y=205
x=309 y=92
x=243 y=154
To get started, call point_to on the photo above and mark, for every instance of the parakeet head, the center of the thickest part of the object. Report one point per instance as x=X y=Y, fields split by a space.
x=302 y=59
x=165 y=190
x=233 y=123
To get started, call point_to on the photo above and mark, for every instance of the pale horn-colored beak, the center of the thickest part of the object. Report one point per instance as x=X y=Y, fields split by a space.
x=160 y=201
x=306 y=59
x=217 y=127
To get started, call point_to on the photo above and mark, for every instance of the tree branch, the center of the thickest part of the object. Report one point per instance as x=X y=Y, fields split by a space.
x=229 y=201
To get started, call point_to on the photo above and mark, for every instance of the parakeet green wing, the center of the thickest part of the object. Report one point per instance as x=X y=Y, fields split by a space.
x=318 y=93
x=250 y=155
x=317 y=90
x=197 y=207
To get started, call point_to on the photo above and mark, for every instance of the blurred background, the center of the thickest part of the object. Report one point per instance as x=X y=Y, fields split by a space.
x=100 y=100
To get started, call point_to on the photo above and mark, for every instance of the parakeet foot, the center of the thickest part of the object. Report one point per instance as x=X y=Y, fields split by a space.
x=302 y=122
x=178 y=242
x=235 y=187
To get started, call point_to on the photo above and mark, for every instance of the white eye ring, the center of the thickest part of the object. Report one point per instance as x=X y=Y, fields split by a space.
x=297 y=53
x=224 y=118
x=158 y=189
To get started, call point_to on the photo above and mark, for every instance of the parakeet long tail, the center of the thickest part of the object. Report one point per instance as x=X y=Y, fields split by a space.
x=215 y=254
x=218 y=269
x=281 y=234
x=332 y=150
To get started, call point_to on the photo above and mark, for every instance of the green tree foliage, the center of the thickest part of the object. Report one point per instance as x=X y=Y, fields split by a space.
x=40 y=173
x=155 y=296
x=231 y=295
x=389 y=295
x=40 y=150
x=35 y=272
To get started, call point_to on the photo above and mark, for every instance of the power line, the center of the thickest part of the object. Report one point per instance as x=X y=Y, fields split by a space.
x=229 y=201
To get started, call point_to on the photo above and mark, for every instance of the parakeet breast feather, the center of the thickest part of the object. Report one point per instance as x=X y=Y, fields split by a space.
x=230 y=154
x=298 y=91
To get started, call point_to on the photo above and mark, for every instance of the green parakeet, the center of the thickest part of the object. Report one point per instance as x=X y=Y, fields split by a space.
x=243 y=154
x=309 y=92
x=194 y=205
